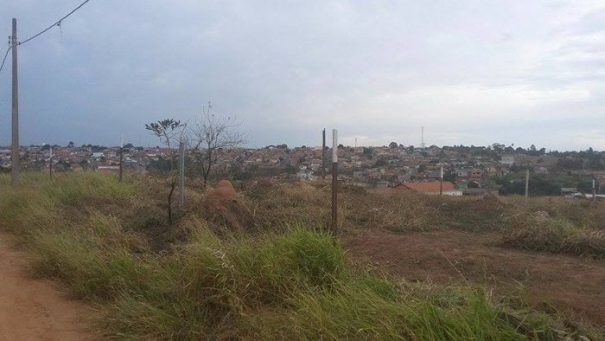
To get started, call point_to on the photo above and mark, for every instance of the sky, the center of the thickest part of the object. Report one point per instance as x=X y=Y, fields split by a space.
x=470 y=72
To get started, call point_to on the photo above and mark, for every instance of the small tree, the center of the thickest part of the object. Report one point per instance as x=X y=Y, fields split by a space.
x=210 y=135
x=167 y=130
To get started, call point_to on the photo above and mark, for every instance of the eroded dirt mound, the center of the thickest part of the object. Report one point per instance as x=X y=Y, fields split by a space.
x=225 y=208
x=223 y=191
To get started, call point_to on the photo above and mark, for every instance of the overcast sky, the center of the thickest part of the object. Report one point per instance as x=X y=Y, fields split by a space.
x=470 y=72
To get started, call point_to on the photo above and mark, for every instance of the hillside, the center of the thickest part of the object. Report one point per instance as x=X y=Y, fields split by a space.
x=255 y=262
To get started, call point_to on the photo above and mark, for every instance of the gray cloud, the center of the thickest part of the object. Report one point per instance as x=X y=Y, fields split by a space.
x=471 y=72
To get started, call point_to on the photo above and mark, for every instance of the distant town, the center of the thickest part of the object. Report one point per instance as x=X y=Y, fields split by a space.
x=467 y=170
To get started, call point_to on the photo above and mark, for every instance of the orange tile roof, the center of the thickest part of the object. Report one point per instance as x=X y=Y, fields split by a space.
x=431 y=186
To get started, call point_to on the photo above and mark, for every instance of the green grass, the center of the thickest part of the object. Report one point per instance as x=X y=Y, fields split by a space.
x=297 y=285
x=291 y=282
x=41 y=204
x=88 y=188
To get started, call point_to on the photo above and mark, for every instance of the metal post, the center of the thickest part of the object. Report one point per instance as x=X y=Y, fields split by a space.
x=323 y=154
x=441 y=181
x=50 y=162
x=121 y=163
x=15 y=162
x=526 y=185
x=594 y=190
x=121 y=157
x=334 y=181
x=181 y=174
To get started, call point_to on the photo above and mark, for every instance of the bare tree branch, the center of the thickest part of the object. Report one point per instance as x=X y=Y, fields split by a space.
x=210 y=135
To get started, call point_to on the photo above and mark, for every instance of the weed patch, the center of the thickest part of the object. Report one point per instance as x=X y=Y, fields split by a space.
x=540 y=232
x=287 y=279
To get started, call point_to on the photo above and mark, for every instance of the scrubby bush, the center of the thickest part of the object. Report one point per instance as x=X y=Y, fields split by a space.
x=540 y=232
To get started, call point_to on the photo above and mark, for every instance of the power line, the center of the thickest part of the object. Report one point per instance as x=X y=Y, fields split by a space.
x=56 y=23
x=4 y=59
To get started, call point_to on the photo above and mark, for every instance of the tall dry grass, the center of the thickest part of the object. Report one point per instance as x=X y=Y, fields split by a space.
x=567 y=226
x=284 y=280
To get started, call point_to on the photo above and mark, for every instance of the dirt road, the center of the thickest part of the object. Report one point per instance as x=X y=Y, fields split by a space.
x=572 y=284
x=32 y=309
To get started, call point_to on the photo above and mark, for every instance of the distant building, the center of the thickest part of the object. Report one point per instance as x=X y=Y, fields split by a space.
x=304 y=174
x=568 y=190
x=431 y=187
x=382 y=184
x=476 y=175
x=541 y=170
x=508 y=160
x=462 y=173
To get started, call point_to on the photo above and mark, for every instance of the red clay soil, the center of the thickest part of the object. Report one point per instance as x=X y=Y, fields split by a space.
x=572 y=284
x=32 y=309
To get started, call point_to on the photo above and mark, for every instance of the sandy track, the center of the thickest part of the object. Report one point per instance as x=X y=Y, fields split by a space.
x=32 y=309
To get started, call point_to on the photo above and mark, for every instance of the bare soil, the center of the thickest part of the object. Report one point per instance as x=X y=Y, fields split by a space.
x=572 y=285
x=32 y=309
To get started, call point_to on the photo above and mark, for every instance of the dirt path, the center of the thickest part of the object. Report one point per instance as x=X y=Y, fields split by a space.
x=572 y=284
x=34 y=309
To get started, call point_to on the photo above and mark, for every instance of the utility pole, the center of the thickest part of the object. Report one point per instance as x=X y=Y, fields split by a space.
x=15 y=111
x=323 y=154
x=526 y=185
x=181 y=173
x=334 y=181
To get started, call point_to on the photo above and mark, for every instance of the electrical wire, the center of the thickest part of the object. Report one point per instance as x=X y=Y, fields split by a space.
x=56 y=23
x=4 y=59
